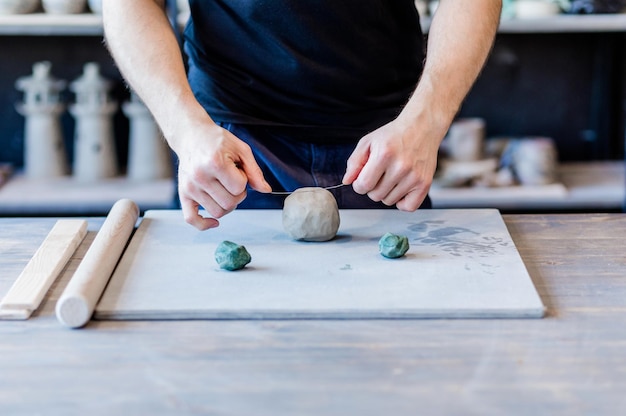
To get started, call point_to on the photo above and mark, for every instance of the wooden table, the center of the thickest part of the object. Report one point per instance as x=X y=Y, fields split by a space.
x=573 y=362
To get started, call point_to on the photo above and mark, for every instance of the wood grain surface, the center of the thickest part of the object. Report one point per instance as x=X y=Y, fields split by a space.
x=573 y=362
x=43 y=268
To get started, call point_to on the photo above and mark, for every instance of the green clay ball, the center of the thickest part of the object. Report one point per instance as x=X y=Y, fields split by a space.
x=393 y=246
x=231 y=256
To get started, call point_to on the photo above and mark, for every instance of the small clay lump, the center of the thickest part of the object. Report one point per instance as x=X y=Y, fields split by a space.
x=231 y=256
x=311 y=214
x=393 y=246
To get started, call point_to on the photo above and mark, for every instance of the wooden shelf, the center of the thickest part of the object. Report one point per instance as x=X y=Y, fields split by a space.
x=583 y=186
x=563 y=23
x=42 y=24
x=67 y=196
x=566 y=23
x=90 y=24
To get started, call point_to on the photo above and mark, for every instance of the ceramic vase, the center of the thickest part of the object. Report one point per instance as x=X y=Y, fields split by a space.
x=531 y=9
x=94 y=141
x=422 y=7
x=432 y=7
x=44 y=148
x=183 y=10
x=535 y=161
x=18 y=6
x=64 y=6
x=95 y=6
x=148 y=153
x=465 y=139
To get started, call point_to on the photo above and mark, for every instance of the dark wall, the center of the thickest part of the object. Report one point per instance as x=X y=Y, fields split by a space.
x=566 y=86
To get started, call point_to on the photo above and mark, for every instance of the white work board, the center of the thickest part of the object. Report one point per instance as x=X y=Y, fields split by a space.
x=461 y=264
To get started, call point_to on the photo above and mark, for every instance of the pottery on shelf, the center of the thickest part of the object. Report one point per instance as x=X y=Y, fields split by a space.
x=432 y=7
x=18 y=6
x=95 y=6
x=454 y=173
x=64 y=6
x=94 y=148
x=148 y=153
x=422 y=7
x=465 y=139
x=534 y=160
x=44 y=147
x=183 y=9
x=531 y=9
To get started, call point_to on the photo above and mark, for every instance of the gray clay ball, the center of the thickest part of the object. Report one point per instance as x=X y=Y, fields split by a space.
x=231 y=256
x=393 y=246
x=311 y=214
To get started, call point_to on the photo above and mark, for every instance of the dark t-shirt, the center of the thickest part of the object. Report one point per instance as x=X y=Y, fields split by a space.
x=328 y=67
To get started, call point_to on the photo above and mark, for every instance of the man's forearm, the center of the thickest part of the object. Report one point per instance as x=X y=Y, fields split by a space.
x=460 y=39
x=142 y=42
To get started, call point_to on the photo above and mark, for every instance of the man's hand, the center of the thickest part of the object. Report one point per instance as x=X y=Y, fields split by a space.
x=395 y=164
x=214 y=169
x=215 y=166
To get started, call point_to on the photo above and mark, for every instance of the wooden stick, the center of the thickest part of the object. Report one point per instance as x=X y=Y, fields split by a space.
x=76 y=305
x=44 y=267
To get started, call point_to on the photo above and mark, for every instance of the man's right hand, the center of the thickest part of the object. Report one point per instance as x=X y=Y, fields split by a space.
x=214 y=168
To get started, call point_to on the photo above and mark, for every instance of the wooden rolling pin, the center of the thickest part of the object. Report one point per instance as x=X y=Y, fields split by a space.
x=76 y=305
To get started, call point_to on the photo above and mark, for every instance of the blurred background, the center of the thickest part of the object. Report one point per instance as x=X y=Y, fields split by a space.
x=543 y=127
